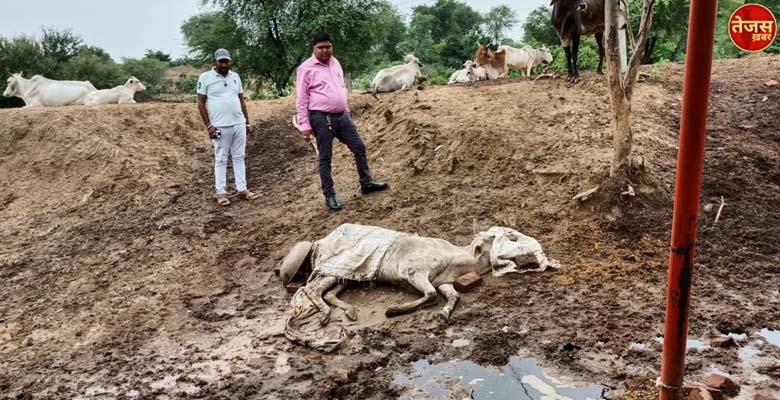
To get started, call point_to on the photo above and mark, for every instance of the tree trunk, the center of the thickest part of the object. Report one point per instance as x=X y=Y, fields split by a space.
x=620 y=87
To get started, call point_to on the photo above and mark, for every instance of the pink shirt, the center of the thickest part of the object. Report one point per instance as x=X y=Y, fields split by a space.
x=319 y=87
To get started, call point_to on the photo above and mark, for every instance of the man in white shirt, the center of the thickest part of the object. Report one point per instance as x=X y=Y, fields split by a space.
x=222 y=108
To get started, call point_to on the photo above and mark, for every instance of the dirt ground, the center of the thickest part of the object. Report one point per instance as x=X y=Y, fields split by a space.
x=121 y=278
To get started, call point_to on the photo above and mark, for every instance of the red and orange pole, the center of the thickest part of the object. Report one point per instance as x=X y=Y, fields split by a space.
x=690 y=158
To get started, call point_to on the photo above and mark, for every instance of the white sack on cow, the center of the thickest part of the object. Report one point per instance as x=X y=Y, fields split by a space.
x=352 y=252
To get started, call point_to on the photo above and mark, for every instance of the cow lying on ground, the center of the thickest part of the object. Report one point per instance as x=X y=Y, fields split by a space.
x=41 y=92
x=399 y=77
x=465 y=74
x=494 y=62
x=526 y=58
x=118 y=95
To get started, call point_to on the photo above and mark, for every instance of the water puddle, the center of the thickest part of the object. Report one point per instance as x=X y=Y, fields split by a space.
x=689 y=344
x=771 y=336
x=521 y=378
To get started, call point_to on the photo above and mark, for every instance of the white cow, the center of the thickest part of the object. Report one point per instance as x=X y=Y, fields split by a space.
x=41 y=92
x=480 y=73
x=526 y=58
x=465 y=74
x=398 y=77
x=118 y=95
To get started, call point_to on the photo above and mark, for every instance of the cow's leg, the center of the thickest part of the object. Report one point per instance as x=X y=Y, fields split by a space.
x=421 y=283
x=567 y=50
x=600 y=43
x=575 y=51
x=314 y=291
x=452 y=296
x=331 y=297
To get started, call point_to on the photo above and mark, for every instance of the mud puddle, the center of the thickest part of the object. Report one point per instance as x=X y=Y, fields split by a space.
x=522 y=378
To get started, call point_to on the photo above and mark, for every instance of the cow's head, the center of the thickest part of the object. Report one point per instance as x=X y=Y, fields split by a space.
x=480 y=248
x=545 y=55
x=468 y=64
x=134 y=84
x=410 y=58
x=482 y=56
x=12 y=85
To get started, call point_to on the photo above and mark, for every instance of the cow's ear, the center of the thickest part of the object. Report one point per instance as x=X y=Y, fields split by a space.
x=477 y=250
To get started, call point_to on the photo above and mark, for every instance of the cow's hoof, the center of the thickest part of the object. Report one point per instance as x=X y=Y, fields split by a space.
x=444 y=316
x=351 y=313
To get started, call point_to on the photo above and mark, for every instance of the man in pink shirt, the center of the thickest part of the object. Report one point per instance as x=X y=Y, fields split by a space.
x=321 y=103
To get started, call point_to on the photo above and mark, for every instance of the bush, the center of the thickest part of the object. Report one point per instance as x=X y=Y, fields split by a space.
x=187 y=84
x=104 y=74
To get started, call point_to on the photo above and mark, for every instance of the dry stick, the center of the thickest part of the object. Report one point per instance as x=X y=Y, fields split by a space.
x=722 y=203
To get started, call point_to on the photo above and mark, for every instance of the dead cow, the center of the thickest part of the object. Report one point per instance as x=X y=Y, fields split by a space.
x=422 y=263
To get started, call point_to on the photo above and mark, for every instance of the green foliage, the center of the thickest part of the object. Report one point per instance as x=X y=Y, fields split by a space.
x=60 y=45
x=86 y=50
x=187 y=84
x=205 y=33
x=157 y=55
x=104 y=74
x=538 y=30
x=498 y=21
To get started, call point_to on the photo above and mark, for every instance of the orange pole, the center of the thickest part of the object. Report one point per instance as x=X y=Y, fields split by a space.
x=690 y=158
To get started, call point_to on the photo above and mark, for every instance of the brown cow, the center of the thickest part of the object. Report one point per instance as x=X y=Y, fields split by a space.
x=493 y=61
x=573 y=18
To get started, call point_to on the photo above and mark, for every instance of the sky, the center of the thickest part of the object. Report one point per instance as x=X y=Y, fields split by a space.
x=127 y=28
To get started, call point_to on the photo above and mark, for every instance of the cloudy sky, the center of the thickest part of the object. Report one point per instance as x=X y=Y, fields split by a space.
x=128 y=28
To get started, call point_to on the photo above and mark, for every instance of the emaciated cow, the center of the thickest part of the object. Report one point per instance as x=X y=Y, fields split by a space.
x=421 y=263
x=118 y=95
x=41 y=92
x=526 y=58
x=572 y=19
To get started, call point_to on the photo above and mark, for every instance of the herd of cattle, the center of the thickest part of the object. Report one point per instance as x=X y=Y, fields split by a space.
x=487 y=64
x=42 y=92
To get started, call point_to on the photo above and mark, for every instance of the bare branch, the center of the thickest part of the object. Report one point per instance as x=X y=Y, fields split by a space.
x=636 y=57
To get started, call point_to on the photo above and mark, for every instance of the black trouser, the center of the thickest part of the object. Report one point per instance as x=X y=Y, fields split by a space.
x=327 y=126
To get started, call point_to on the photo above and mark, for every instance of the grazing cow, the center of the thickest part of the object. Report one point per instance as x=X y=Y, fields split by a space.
x=465 y=74
x=399 y=77
x=494 y=62
x=572 y=19
x=41 y=92
x=526 y=58
x=118 y=95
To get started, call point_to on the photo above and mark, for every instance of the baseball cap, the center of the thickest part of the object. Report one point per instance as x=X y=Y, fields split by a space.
x=222 y=54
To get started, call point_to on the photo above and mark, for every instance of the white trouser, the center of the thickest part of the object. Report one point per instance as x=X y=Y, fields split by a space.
x=233 y=140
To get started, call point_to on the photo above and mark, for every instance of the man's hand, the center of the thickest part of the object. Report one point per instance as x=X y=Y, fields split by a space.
x=307 y=135
x=249 y=129
x=212 y=132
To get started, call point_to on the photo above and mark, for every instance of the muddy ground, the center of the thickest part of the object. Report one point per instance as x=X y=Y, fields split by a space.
x=121 y=278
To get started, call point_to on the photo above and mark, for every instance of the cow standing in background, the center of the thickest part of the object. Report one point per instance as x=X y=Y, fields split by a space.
x=572 y=19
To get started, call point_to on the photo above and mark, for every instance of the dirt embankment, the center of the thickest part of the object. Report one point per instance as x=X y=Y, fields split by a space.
x=122 y=278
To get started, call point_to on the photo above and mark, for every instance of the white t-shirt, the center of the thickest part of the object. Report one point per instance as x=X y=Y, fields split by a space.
x=222 y=97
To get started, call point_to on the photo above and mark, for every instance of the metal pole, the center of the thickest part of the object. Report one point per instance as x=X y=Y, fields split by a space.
x=690 y=157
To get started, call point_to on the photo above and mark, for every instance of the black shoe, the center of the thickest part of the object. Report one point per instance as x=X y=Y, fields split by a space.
x=373 y=187
x=332 y=203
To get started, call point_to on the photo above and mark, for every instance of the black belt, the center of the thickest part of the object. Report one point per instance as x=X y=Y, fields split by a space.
x=316 y=112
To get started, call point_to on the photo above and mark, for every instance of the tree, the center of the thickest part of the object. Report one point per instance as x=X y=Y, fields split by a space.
x=621 y=86
x=158 y=55
x=537 y=29
x=278 y=33
x=396 y=32
x=86 y=50
x=498 y=21
x=205 y=33
x=60 y=45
